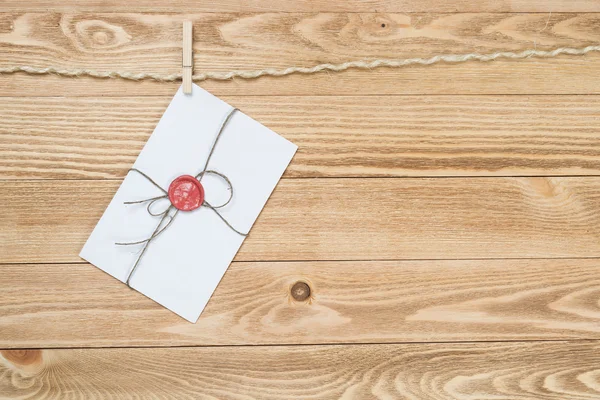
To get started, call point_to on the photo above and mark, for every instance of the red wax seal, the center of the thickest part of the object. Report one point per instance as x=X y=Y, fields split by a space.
x=186 y=193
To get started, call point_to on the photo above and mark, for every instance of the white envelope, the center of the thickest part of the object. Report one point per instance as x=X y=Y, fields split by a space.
x=184 y=264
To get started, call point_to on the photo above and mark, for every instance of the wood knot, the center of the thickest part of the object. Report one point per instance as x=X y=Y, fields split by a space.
x=101 y=38
x=300 y=291
x=97 y=34
x=22 y=358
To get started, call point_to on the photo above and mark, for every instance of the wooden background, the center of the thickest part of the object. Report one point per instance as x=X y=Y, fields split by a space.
x=446 y=219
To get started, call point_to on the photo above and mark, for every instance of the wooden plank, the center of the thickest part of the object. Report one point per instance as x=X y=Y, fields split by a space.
x=77 y=305
x=97 y=138
x=343 y=219
x=224 y=42
x=441 y=371
x=180 y=6
x=562 y=76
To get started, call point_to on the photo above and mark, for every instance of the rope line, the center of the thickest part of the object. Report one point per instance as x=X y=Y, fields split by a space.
x=252 y=74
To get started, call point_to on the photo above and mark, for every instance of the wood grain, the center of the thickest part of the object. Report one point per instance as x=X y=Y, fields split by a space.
x=435 y=371
x=500 y=271
x=343 y=219
x=77 y=305
x=225 y=42
x=59 y=138
x=181 y=6
x=363 y=136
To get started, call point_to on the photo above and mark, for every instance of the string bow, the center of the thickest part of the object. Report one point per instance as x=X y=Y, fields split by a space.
x=167 y=217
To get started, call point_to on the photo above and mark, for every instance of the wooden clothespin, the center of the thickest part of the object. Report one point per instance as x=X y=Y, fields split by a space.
x=187 y=61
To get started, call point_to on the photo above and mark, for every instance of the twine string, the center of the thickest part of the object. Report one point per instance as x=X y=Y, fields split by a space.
x=145 y=200
x=149 y=207
x=152 y=200
x=146 y=242
x=156 y=231
x=151 y=181
x=224 y=122
x=252 y=74
x=230 y=188
x=223 y=218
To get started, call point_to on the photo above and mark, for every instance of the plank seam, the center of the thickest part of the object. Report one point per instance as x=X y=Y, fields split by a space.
x=337 y=260
x=386 y=177
x=325 y=344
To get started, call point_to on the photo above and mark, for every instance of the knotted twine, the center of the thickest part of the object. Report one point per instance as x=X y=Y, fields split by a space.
x=166 y=214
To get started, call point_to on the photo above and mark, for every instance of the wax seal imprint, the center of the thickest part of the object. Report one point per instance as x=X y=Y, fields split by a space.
x=186 y=193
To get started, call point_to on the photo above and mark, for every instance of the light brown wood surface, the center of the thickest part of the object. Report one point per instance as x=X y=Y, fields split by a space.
x=181 y=6
x=435 y=371
x=343 y=219
x=338 y=136
x=437 y=235
x=132 y=43
x=561 y=76
x=77 y=305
